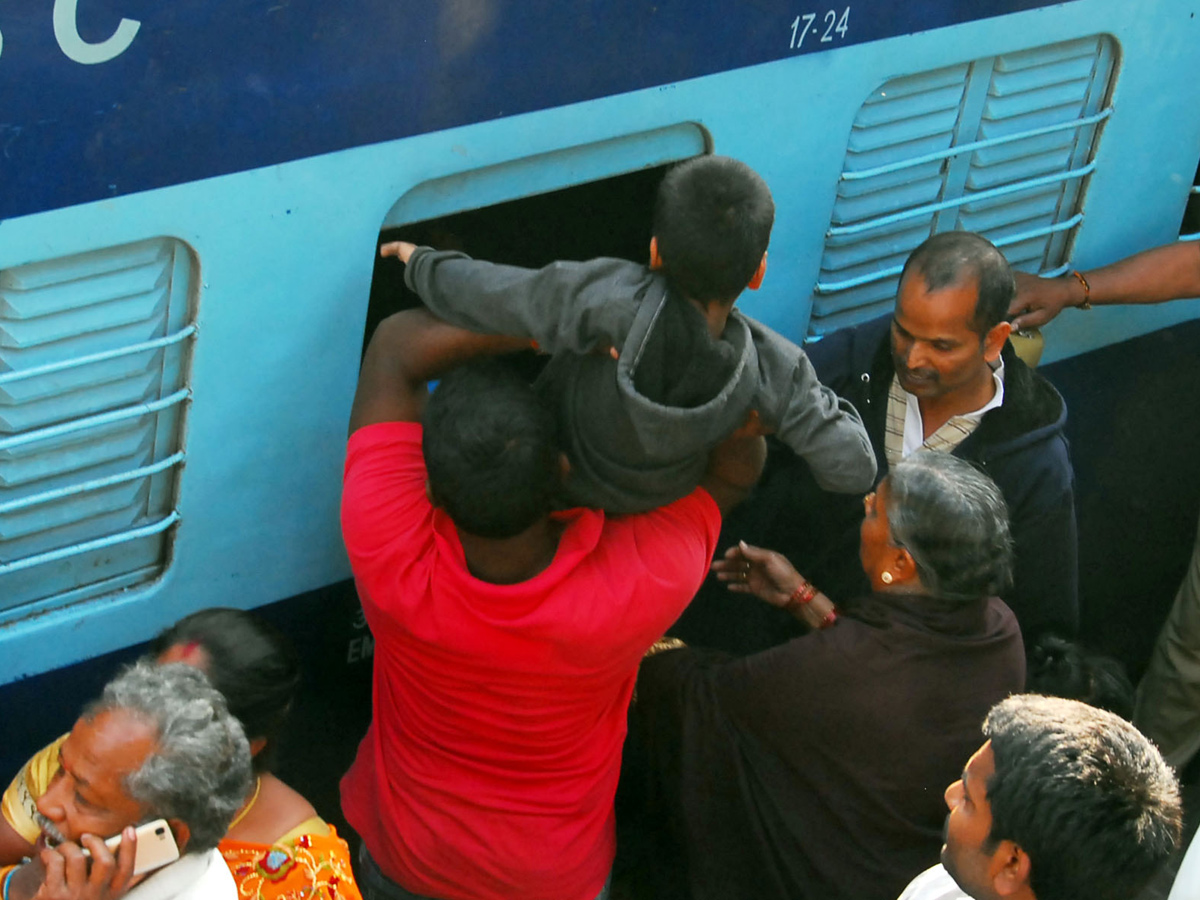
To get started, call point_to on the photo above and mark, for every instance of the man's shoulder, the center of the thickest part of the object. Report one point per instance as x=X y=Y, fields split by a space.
x=659 y=536
x=934 y=883
x=1032 y=416
x=194 y=876
x=851 y=349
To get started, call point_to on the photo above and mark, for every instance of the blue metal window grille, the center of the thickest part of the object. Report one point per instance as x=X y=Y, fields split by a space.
x=94 y=350
x=1001 y=146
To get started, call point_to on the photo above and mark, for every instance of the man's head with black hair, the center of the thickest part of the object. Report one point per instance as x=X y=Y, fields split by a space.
x=954 y=257
x=1063 y=801
x=490 y=451
x=712 y=224
x=948 y=328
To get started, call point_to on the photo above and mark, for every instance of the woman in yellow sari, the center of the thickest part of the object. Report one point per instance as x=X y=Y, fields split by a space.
x=277 y=847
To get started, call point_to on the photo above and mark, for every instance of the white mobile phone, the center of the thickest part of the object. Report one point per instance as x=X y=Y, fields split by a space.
x=155 y=846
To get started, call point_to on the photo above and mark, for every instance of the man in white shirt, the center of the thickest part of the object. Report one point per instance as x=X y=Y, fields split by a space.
x=159 y=743
x=1063 y=801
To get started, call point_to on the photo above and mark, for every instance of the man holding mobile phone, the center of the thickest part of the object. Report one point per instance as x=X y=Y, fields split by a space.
x=157 y=762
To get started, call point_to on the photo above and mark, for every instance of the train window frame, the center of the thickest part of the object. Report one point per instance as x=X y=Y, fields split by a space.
x=1001 y=145
x=95 y=370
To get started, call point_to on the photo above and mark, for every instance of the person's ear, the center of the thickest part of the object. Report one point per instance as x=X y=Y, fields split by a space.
x=257 y=745
x=1010 y=871
x=759 y=273
x=182 y=833
x=564 y=468
x=902 y=566
x=993 y=341
x=656 y=262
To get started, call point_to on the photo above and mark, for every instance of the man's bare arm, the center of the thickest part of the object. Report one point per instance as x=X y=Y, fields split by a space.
x=1170 y=272
x=407 y=350
x=13 y=847
x=734 y=467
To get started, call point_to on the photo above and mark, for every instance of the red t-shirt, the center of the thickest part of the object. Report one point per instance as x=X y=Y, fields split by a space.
x=491 y=762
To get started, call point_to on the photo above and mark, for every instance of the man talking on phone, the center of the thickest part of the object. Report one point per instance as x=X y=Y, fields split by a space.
x=160 y=750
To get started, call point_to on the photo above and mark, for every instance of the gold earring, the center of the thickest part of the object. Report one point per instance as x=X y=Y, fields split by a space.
x=886 y=577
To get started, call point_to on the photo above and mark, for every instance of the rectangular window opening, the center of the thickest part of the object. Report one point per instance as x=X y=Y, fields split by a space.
x=608 y=217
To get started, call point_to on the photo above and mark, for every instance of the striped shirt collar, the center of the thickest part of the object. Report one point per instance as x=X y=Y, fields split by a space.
x=905 y=431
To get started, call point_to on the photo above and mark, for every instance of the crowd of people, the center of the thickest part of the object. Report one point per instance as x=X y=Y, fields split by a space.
x=520 y=550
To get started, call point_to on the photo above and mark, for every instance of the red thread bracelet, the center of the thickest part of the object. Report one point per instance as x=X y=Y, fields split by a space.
x=801 y=596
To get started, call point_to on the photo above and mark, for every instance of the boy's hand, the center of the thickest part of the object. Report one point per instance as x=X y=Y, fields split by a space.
x=402 y=250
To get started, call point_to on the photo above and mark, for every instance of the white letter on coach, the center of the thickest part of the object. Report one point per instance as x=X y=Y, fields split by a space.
x=66 y=31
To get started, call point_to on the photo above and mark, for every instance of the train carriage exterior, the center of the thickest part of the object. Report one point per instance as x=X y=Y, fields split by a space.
x=191 y=196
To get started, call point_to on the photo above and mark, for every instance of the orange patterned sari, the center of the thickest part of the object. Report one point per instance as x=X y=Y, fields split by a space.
x=304 y=864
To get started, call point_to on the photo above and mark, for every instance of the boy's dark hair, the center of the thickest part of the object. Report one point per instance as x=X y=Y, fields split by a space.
x=1084 y=794
x=1062 y=668
x=712 y=221
x=946 y=259
x=490 y=451
x=250 y=662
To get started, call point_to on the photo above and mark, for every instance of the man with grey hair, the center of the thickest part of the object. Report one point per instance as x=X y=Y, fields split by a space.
x=159 y=743
x=1063 y=800
x=937 y=373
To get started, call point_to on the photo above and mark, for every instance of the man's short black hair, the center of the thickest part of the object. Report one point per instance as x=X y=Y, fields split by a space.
x=948 y=258
x=712 y=221
x=490 y=451
x=1084 y=794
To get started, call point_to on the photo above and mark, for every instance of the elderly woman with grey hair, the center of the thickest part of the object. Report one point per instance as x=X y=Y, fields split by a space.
x=815 y=769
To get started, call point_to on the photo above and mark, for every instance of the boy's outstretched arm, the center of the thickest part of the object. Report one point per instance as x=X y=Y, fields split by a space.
x=565 y=306
x=407 y=350
x=820 y=427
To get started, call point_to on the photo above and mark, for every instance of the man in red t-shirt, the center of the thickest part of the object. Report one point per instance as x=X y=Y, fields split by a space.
x=507 y=636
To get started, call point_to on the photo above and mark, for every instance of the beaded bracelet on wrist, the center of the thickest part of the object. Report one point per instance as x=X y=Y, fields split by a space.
x=801 y=596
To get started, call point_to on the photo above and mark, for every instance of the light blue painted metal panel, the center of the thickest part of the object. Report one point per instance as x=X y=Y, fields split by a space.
x=287 y=254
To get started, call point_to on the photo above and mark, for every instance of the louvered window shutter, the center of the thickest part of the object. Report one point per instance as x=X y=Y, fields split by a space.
x=1001 y=146
x=93 y=354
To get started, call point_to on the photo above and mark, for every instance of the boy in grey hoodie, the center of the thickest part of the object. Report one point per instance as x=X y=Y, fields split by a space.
x=686 y=369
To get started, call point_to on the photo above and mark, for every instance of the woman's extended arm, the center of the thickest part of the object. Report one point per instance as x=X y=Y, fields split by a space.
x=770 y=577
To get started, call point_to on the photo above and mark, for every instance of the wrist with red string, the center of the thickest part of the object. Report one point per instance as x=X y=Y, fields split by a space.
x=800 y=602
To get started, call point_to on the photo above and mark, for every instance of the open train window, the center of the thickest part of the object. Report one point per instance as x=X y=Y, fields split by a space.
x=576 y=204
x=1001 y=146
x=93 y=386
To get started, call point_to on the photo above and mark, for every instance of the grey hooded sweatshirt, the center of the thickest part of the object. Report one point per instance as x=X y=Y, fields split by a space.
x=628 y=452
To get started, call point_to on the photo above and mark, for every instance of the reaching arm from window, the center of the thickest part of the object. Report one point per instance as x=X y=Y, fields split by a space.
x=1170 y=272
x=407 y=350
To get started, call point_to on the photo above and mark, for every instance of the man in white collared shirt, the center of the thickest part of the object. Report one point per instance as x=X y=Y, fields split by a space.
x=1063 y=800
x=937 y=373
x=159 y=743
